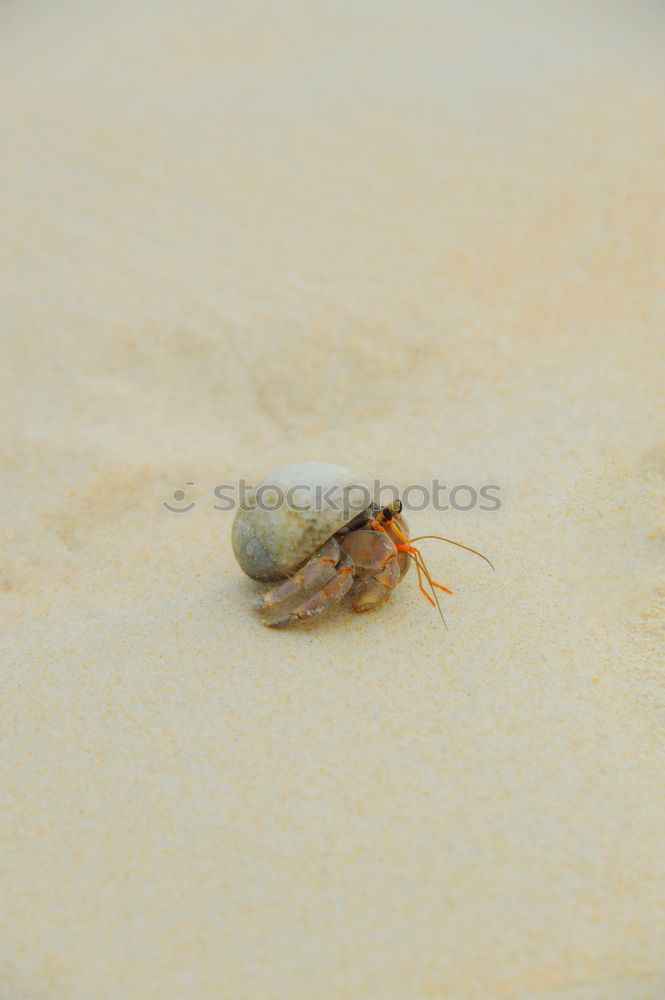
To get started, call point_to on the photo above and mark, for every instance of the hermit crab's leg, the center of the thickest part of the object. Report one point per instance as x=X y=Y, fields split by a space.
x=334 y=590
x=316 y=572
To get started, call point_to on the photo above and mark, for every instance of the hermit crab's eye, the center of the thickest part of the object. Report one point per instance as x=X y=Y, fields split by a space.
x=393 y=508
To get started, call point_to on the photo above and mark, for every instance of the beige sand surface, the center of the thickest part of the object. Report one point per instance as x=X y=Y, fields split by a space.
x=421 y=239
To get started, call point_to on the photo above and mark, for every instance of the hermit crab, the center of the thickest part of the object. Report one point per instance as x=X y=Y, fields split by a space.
x=314 y=528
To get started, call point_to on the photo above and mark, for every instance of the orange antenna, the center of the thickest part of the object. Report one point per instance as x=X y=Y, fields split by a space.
x=421 y=569
x=459 y=545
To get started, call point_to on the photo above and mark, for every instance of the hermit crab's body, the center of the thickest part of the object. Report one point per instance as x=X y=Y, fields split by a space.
x=313 y=527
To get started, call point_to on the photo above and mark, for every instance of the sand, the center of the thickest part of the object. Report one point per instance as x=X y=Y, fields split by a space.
x=421 y=240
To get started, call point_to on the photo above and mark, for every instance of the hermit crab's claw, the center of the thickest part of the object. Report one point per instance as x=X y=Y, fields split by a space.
x=377 y=568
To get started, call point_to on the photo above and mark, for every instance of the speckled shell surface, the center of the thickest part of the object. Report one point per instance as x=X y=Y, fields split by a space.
x=270 y=544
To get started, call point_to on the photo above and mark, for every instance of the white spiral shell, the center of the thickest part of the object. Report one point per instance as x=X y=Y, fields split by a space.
x=270 y=544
